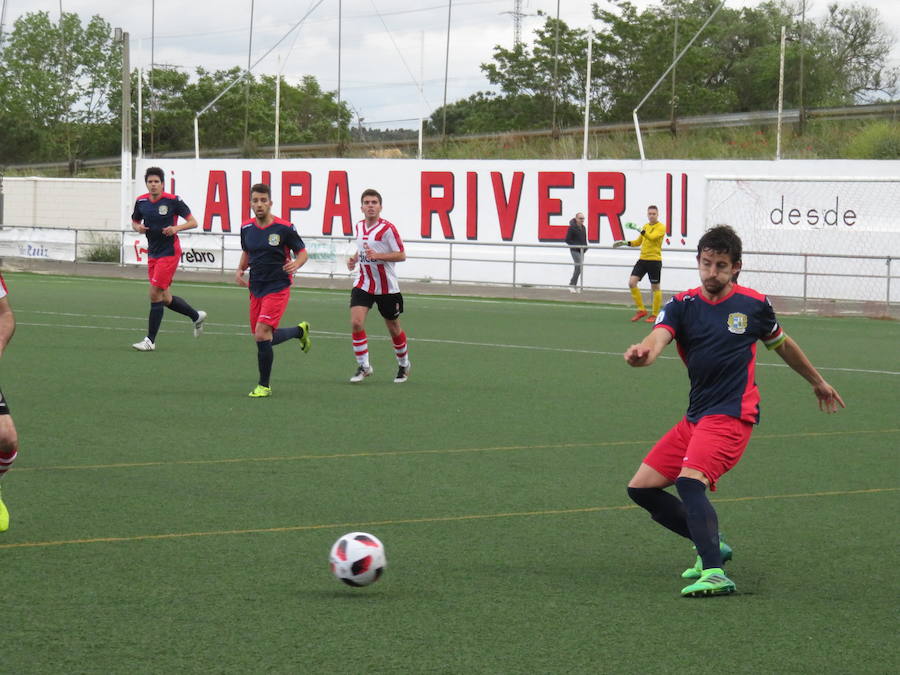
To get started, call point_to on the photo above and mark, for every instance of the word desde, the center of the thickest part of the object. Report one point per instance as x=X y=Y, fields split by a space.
x=811 y=217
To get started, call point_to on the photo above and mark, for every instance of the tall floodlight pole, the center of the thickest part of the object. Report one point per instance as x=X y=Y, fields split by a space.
x=780 y=97
x=125 y=176
x=340 y=149
x=2 y=21
x=553 y=129
x=674 y=100
x=278 y=107
x=802 y=124
x=247 y=82
x=587 y=94
x=152 y=68
x=446 y=71
x=140 y=113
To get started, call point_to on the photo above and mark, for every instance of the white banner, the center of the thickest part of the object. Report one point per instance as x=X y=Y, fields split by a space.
x=26 y=242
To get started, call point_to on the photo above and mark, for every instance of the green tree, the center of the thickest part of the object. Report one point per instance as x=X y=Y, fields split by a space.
x=56 y=81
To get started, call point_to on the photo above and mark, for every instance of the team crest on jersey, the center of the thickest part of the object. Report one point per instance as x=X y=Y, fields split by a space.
x=737 y=323
x=274 y=239
x=163 y=209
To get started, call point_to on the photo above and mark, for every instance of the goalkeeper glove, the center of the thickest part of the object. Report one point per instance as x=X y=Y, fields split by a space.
x=632 y=226
x=620 y=243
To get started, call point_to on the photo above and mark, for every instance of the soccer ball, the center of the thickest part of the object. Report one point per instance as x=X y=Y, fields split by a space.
x=357 y=559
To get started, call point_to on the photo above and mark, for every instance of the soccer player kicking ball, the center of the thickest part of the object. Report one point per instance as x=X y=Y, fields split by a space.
x=378 y=247
x=267 y=242
x=156 y=215
x=716 y=326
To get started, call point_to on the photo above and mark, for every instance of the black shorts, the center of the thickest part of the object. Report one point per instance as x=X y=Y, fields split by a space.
x=390 y=305
x=4 y=408
x=652 y=268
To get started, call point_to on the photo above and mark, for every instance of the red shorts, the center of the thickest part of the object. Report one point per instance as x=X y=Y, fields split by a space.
x=713 y=445
x=160 y=271
x=269 y=308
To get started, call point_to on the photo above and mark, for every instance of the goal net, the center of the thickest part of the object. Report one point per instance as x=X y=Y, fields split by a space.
x=821 y=239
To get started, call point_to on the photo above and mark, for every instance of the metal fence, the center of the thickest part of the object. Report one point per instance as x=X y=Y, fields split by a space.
x=810 y=278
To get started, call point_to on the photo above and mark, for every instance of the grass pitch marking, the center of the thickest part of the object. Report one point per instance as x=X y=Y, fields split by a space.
x=407 y=453
x=415 y=521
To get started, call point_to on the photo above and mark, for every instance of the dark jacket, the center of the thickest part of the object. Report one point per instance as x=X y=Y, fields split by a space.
x=576 y=234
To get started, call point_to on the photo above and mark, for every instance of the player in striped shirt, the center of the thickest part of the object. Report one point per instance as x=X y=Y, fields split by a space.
x=9 y=440
x=378 y=248
x=716 y=327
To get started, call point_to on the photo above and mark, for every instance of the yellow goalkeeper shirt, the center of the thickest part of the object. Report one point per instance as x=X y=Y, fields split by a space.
x=651 y=241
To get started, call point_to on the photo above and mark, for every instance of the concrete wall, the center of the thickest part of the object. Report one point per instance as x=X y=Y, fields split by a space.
x=82 y=203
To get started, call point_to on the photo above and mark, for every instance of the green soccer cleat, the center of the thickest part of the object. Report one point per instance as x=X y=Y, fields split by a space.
x=711 y=582
x=695 y=571
x=260 y=392
x=4 y=517
x=305 y=340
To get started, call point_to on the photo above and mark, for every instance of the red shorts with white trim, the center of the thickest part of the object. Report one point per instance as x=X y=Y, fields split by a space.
x=161 y=271
x=269 y=308
x=712 y=445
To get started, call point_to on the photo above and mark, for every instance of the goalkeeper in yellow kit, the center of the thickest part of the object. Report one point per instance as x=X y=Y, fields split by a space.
x=650 y=263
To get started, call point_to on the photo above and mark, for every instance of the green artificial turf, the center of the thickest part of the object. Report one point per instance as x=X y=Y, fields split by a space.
x=164 y=522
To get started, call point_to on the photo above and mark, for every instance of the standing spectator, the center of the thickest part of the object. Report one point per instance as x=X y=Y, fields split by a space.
x=378 y=248
x=156 y=215
x=576 y=239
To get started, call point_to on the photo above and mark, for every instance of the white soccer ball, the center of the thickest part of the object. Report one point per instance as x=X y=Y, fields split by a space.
x=358 y=559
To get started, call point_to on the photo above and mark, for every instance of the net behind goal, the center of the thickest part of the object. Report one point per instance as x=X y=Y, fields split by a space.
x=816 y=238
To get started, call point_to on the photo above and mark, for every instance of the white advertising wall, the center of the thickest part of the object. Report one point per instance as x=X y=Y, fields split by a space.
x=481 y=208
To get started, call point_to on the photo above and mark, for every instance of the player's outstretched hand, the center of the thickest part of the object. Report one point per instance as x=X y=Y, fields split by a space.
x=239 y=278
x=632 y=226
x=829 y=399
x=351 y=263
x=620 y=243
x=636 y=355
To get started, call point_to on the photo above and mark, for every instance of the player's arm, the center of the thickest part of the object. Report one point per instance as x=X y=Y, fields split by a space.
x=7 y=323
x=791 y=354
x=243 y=264
x=300 y=258
x=352 y=260
x=655 y=233
x=138 y=226
x=645 y=352
x=189 y=223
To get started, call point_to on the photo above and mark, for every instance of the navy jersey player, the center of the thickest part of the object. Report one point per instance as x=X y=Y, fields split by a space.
x=267 y=243
x=156 y=215
x=716 y=327
x=9 y=440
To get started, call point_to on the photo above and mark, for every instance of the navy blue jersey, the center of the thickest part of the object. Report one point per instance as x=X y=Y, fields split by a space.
x=717 y=342
x=268 y=249
x=158 y=215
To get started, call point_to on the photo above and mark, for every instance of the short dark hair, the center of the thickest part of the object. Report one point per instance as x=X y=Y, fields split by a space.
x=721 y=239
x=155 y=171
x=654 y=207
x=370 y=193
x=262 y=189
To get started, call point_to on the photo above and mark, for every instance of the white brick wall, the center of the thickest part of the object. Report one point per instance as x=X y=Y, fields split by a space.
x=83 y=203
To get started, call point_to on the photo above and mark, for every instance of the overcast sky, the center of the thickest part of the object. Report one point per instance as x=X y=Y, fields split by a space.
x=388 y=46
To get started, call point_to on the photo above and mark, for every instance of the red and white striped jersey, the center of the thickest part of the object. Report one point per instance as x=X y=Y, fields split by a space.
x=2 y=287
x=377 y=277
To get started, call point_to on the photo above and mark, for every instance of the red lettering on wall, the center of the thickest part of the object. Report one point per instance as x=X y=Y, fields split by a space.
x=668 y=205
x=507 y=208
x=550 y=206
x=611 y=208
x=684 y=202
x=442 y=206
x=246 y=212
x=291 y=202
x=217 y=201
x=337 y=203
x=471 y=205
